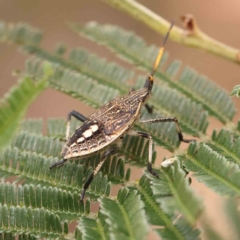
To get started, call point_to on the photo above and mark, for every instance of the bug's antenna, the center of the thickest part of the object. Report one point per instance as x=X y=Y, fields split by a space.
x=160 y=53
x=149 y=81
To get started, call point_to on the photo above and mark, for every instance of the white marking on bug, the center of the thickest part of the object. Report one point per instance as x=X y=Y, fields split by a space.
x=81 y=139
x=87 y=133
x=168 y=162
x=94 y=128
x=73 y=145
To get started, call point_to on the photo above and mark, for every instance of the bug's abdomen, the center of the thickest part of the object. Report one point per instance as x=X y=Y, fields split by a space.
x=87 y=139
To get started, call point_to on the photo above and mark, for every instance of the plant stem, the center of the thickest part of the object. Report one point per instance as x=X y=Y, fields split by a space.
x=191 y=36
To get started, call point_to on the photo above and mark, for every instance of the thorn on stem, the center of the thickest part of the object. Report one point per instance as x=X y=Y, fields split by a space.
x=189 y=23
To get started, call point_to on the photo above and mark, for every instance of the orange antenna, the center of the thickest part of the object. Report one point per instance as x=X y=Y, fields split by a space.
x=160 y=53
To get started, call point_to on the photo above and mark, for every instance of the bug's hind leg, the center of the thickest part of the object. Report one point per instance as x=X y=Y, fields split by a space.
x=96 y=170
x=56 y=164
x=170 y=119
x=78 y=116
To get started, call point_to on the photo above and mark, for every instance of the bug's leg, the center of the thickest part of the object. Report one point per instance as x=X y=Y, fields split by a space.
x=78 y=116
x=56 y=164
x=149 y=108
x=170 y=119
x=149 y=137
x=150 y=149
x=96 y=170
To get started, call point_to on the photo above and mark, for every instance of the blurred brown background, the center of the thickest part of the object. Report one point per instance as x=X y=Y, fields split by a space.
x=219 y=19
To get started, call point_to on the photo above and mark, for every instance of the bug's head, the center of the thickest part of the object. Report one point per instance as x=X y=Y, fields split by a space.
x=149 y=81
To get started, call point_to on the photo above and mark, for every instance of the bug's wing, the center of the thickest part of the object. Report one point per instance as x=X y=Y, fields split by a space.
x=117 y=121
x=117 y=115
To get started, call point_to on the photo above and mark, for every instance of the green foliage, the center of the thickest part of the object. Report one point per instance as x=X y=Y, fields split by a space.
x=228 y=144
x=236 y=91
x=157 y=216
x=173 y=182
x=32 y=125
x=58 y=191
x=92 y=228
x=213 y=169
x=20 y=33
x=39 y=222
x=231 y=207
x=58 y=201
x=127 y=210
x=14 y=105
x=41 y=203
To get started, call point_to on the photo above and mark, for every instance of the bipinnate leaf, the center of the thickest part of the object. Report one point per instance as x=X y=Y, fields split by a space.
x=14 y=105
x=20 y=219
x=168 y=225
x=125 y=215
x=213 y=169
x=175 y=195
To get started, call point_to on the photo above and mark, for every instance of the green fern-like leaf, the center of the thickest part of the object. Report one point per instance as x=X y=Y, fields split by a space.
x=90 y=228
x=232 y=212
x=34 y=168
x=32 y=125
x=173 y=183
x=187 y=232
x=213 y=169
x=57 y=197
x=40 y=222
x=14 y=106
x=157 y=216
x=126 y=211
x=236 y=91
x=63 y=203
x=122 y=212
x=226 y=143
x=20 y=33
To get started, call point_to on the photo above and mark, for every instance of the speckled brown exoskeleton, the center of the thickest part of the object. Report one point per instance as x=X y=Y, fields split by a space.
x=104 y=129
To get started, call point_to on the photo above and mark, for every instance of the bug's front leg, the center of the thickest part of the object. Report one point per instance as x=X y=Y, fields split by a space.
x=96 y=170
x=78 y=116
x=170 y=119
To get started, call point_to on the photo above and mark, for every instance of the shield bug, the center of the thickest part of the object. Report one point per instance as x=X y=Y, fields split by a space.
x=104 y=129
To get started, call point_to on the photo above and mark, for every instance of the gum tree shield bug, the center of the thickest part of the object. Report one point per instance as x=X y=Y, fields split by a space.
x=104 y=129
